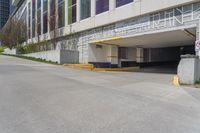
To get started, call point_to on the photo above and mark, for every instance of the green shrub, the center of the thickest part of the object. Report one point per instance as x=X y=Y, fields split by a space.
x=34 y=47
x=2 y=49
x=198 y=81
x=20 y=49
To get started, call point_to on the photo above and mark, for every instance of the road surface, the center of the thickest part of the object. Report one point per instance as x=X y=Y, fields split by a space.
x=43 y=98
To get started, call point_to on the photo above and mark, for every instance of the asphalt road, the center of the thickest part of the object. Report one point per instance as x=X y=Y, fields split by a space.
x=43 y=98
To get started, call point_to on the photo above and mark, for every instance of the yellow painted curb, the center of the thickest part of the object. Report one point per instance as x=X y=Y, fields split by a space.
x=115 y=69
x=175 y=81
x=80 y=66
x=92 y=68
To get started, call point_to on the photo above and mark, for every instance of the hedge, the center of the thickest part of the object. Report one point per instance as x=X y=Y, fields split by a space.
x=34 y=47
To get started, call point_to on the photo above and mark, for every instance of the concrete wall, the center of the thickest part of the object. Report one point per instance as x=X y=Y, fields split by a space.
x=59 y=56
x=163 y=54
x=98 y=54
x=10 y=51
x=68 y=56
x=103 y=54
x=113 y=54
x=132 y=54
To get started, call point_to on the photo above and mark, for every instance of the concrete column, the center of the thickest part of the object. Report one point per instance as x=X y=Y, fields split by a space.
x=112 y=5
x=78 y=6
x=139 y=55
x=56 y=13
x=93 y=8
x=66 y=12
x=113 y=55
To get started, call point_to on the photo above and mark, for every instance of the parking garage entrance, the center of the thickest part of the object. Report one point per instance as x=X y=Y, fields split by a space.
x=157 y=51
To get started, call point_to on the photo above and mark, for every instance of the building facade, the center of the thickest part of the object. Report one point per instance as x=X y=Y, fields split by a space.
x=4 y=12
x=115 y=33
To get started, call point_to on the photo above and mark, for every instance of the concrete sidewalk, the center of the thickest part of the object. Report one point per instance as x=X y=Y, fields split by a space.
x=44 y=98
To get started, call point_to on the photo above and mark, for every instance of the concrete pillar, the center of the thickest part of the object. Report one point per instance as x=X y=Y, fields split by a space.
x=56 y=13
x=78 y=6
x=66 y=12
x=139 y=55
x=112 y=5
x=113 y=55
x=93 y=8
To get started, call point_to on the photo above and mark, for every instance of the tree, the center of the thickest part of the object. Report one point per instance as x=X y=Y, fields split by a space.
x=13 y=33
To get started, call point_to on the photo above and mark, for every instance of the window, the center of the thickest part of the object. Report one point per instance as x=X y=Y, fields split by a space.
x=45 y=18
x=102 y=6
x=85 y=9
x=39 y=17
x=122 y=2
x=71 y=11
x=61 y=13
x=52 y=14
x=38 y=3
x=33 y=18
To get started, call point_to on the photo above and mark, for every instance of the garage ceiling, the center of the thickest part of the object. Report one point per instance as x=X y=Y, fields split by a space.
x=180 y=37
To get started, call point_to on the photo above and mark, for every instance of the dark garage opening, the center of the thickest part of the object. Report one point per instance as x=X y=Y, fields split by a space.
x=164 y=60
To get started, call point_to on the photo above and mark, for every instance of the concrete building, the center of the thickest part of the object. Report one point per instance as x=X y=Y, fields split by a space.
x=4 y=12
x=116 y=33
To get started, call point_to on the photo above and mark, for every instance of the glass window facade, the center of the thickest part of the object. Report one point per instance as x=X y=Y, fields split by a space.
x=85 y=9
x=102 y=6
x=71 y=11
x=29 y=20
x=45 y=16
x=61 y=13
x=33 y=17
x=52 y=14
x=122 y=2
x=39 y=17
x=55 y=17
x=4 y=12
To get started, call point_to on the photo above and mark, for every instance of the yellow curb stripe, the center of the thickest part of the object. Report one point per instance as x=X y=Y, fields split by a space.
x=175 y=81
x=92 y=68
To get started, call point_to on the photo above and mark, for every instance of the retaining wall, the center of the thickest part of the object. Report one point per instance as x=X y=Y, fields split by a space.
x=10 y=51
x=59 y=56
